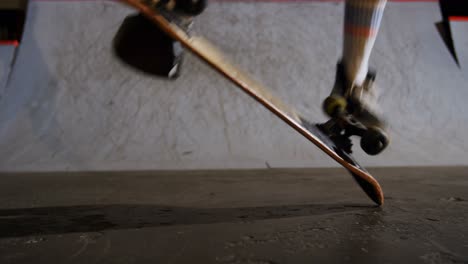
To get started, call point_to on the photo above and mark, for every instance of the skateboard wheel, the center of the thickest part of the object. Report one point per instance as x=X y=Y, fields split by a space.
x=192 y=7
x=334 y=104
x=374 y=141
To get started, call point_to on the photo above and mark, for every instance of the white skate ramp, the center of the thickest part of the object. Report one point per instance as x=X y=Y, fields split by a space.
x=71 y=105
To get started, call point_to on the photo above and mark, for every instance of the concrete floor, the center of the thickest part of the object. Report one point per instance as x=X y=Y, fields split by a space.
x=71 y=105
x=254 y=216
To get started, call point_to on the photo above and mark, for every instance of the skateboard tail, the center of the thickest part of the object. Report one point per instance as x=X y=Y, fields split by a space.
x=367 y=183
x=370 y=189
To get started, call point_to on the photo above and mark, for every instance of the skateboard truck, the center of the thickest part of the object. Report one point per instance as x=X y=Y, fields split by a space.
x=342 y=126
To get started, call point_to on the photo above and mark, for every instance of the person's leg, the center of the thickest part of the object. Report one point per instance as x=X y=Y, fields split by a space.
x=362 y=21
x=353 y=80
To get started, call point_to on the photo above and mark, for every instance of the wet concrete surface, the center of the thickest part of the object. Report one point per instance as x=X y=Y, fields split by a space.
x=236 y=216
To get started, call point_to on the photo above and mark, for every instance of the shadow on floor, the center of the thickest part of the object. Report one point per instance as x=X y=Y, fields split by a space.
x=92 y=218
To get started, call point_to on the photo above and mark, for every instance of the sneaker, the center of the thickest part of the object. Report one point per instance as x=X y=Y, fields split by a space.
x=361 y=101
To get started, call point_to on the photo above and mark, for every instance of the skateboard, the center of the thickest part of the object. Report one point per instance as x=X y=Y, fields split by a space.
x=328 y=137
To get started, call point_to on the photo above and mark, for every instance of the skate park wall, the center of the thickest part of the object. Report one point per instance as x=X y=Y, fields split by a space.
x=69 y=104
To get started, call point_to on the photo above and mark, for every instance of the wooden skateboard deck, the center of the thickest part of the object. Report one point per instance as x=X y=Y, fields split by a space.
x=208 y=53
